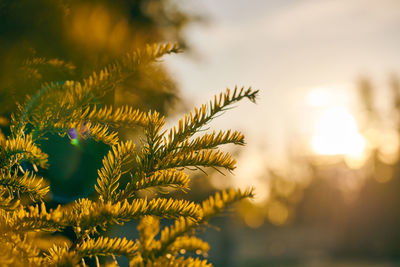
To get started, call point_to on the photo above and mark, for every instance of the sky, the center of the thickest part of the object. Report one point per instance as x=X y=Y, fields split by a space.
x=288 y=50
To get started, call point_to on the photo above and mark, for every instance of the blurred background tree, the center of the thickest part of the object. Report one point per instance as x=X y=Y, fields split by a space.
x=57 y=40
x=329 y=209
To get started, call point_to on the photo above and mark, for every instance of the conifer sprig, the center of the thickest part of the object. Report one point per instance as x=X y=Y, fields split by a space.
x=62 y=256
x=186 y=243
x=102 y=133
x=16 y=250
x=161 y=161
x=203 y=158
x=21 y=148
x=197 y=119
x=172 y=178
x=108 y=182
x=8 y=203
x=124 y=116
x=119 y=71
x=72 y=96
x=210 y=207
x=104 y=246
x=36 y=66
x=178 y=262
x=212 y=140
x=88 y=215
x=35 y=219
x=221 y=200
x=153 y=145
x=27 y=184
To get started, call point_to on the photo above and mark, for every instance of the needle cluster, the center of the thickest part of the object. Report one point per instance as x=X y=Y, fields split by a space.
x=161 y=161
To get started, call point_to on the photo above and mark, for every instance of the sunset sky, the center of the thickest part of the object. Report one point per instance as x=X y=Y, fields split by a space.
x=294 y=52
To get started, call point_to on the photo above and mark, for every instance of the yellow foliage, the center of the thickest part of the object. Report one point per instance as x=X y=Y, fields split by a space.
x=160 y=161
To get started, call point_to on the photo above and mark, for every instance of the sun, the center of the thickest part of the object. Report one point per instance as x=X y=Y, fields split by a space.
x=336 y=133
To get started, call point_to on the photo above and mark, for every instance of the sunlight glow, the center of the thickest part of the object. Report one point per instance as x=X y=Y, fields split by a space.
x=318 y=97
x=336 y=133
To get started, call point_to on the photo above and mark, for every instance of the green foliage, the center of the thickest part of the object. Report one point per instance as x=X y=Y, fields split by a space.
x=160 y=161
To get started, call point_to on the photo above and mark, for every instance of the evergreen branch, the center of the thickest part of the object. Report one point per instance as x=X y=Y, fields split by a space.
x=40 y=62
x=178 y=262
x=22 y=118
x=98 y=132
x=101 y=133
x=28 y=184
x=61 y=106
x=14 y=254
x=88 y=215
x=10 y=256
x=217 y=203
x=34 y=219
x=193 y=122
x=8 y=203
x=19 y=148
x=55 y=127
x=119 y=71
x=155 y=51
x=72 y=95
x=172 y=178
x=205 y=158
x=125 y=116
x=163 y=178
x=171 y=233
x=211 y=140
x=62 y=256
x=210 y=207
x=22 y=249
x=153 y=141
x=189 y=243
x=33 y=69
x=111 y=172
x=104 y=246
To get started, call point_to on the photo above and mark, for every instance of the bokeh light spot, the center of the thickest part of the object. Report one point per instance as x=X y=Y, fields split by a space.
x=278 y=213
